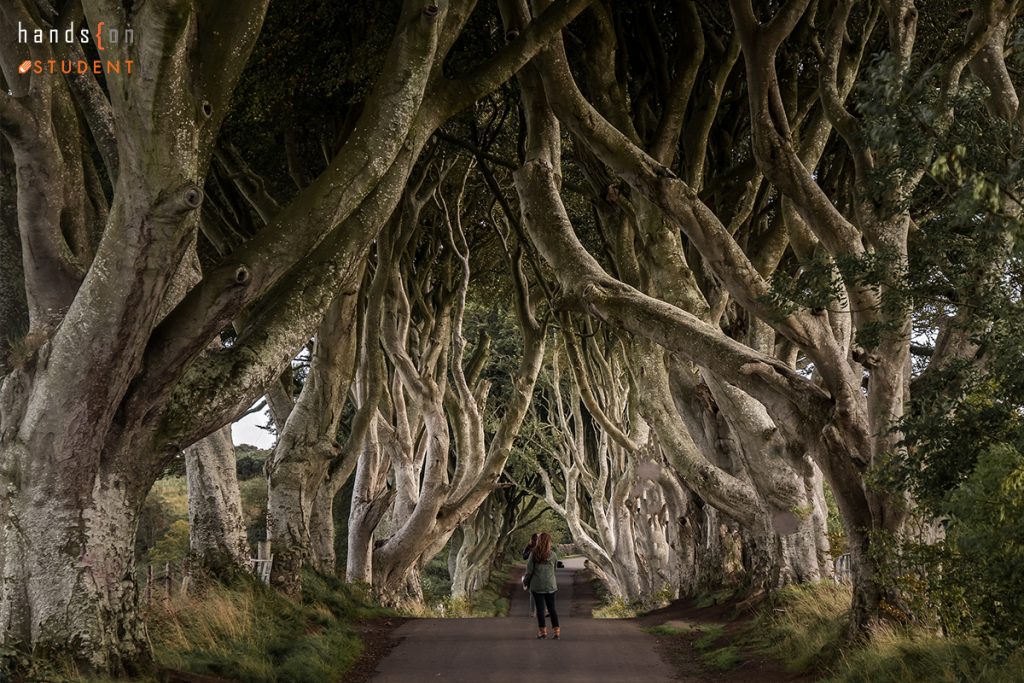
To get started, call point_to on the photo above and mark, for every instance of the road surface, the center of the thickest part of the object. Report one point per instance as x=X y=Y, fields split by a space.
x=505 y=649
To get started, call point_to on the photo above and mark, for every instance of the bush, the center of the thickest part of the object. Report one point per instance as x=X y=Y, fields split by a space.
x=971 y=581
x=249 y=462
x=987 y=532
x=173 y=546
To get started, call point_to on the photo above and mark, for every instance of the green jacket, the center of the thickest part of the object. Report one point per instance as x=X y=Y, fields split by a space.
x=542 y=574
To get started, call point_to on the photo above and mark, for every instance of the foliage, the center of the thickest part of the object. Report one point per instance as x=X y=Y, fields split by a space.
x=548 y=521
x=173 y=545
x=834 y=525
x=963 y=434
x=250 y=461
x=962 y=461
x=313 y=64
x=166 y=504
x=435 y=580
x=971 y=581
x=254 y=508
x=987 y=530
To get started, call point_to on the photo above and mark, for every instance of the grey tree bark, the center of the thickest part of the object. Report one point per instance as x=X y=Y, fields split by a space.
x=217 y=537
x=118 y=381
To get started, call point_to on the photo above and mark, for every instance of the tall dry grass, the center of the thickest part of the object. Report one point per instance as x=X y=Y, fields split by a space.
x=803 y=626
x=248 y=632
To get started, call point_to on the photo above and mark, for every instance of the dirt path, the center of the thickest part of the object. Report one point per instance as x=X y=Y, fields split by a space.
x=505 y=649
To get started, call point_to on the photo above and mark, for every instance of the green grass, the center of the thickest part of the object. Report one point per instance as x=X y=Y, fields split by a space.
x=723 y=658
x=244 y=631
x=713 y=598
x=248 y=632
x=489 y=602
x=706 y=637
x=710 y=633
x=897 y=655
x=666 y=630
x=615 y=608
x=803 y=627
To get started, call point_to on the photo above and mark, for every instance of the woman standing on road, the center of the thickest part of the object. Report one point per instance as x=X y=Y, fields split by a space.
x=526 y=555
x=540 y=567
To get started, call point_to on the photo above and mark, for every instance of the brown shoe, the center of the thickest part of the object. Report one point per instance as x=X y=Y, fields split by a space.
x=558 y=633
x=542 y=634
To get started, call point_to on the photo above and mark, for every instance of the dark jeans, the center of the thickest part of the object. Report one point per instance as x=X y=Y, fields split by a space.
x=542 y=599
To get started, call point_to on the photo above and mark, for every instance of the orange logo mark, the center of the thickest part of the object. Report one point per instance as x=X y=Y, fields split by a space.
x=25 y=66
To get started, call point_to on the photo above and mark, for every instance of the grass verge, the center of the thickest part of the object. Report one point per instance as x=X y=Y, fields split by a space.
x=723 y=658
x=240 y=631
x=705 y=641
x=802 y=626
x=248 y=632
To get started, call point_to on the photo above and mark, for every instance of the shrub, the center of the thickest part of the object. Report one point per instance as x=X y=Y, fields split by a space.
x=173 y=546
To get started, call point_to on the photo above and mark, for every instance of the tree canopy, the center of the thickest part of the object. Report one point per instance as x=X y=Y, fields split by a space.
x=684 y=271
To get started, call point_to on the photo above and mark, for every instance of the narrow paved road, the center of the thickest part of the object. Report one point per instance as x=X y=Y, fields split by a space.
x=500 y=650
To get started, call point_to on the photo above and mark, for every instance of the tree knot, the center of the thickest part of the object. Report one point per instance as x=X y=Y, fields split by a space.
x=191 y=196
x=242 y=275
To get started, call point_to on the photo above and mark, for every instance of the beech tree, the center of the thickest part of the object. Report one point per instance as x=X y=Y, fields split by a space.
x=745 y=191
x=115 y=372
x=429 y=430
x=845 y=411
x=479 y=544
x=217 y=539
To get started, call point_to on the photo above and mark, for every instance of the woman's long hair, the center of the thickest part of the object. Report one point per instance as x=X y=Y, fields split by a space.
x=542 y=551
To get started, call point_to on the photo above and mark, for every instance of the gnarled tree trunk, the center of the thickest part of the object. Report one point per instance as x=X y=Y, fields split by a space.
x=217 y=537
